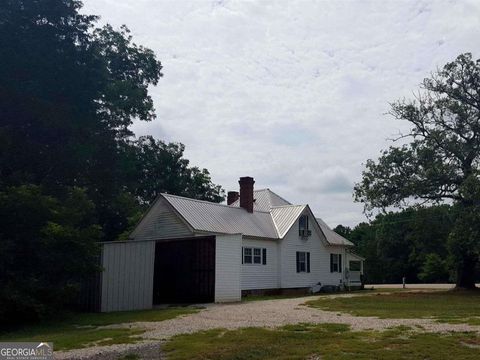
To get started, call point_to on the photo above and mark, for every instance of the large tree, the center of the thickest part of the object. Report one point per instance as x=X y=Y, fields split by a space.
x=439 y=159
x=71 y=171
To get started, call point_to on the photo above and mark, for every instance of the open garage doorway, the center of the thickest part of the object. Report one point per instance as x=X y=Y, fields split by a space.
x=184 y=271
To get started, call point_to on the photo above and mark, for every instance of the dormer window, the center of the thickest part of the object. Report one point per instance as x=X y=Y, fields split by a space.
x=303 y=229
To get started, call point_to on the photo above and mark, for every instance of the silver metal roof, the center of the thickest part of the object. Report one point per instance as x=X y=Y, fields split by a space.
x=264 y=200
x=273 y=223
x=218 y=218
x=332 y=237
x=285 y=216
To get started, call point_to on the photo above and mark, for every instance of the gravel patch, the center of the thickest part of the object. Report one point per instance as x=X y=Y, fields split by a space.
x=144 y=351
x=267 y=313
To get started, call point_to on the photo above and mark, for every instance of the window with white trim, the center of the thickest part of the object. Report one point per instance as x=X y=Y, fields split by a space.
x=253 y=255
x=303 y=261
x=336 y=263
x=303 y=227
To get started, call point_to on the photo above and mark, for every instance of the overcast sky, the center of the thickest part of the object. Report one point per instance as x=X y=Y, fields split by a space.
x=292 y=93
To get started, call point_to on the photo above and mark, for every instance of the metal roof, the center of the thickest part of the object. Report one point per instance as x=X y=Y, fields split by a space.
x=273 y=223
x=285 y=216
x=332 y=237
x=213 y=217
x=264 y=200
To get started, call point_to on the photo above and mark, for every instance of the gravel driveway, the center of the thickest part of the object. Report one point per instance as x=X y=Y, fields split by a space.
x=267 y=313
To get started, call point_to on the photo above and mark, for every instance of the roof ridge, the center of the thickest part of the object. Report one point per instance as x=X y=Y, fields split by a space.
x=274 y=193
x=291 y=205
x=211 y=203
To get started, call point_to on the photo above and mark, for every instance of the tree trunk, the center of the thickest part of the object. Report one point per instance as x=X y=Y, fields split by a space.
x=466 y=273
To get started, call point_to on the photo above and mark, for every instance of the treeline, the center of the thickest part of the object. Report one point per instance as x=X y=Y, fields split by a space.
x=72 y=173
x=411 y=243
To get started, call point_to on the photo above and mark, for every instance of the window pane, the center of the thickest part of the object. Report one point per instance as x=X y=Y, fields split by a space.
x=256 y=252
x=354 y=265
x=247 y=251
x=301 y=257
x=247 y=259
x=302 y=267
x=302 y=222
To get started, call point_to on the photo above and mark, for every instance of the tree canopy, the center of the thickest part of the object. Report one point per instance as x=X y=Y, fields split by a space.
x=439 y=159
x=72 y=172
x=411 y=243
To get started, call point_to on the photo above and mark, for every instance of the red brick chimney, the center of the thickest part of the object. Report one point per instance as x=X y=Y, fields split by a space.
x=232 y=196
x=246 y=193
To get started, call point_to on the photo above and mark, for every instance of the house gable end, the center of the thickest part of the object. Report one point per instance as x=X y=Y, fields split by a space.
x=161 y=222
x=313 y=226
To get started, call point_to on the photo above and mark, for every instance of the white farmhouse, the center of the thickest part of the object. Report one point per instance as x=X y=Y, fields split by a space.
x=187 y=250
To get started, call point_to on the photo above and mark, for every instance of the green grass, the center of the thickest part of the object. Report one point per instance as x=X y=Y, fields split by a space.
x=85 y=329
x=325 y=341
x=292 y=296
x=446 y=306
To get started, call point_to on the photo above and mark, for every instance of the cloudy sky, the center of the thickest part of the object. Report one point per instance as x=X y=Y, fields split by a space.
x=293 y=93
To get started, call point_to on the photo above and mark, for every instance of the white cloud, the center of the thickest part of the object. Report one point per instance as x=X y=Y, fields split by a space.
x=292 y=93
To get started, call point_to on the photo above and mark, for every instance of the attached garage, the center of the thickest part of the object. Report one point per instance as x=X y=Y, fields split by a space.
x=140 y=274
x=184 y=271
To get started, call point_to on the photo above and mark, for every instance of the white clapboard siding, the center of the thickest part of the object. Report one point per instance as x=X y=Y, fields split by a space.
x=227 y=268
x=127 y=279
x=319 y=259
x=161 y=222
x=259 y=276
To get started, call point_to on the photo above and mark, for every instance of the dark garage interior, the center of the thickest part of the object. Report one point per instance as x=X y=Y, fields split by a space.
x=184 y=271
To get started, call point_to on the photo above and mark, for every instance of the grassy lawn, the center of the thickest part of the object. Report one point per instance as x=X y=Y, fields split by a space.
x=325 y=341
x=85 y=329
x=446 y=306
x=292 y=296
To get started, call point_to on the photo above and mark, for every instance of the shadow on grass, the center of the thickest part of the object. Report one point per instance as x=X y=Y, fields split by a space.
x=87 y=329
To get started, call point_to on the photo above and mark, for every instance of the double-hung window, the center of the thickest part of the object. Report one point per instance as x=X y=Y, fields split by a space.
x=303 y=228
x=303 y=261
x=335 y=263
x=255 y=256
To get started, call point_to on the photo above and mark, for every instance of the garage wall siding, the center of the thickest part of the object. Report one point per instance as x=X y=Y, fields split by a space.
x=128 y=275
x=259 y=276
x=161 y=222
x=227 y=268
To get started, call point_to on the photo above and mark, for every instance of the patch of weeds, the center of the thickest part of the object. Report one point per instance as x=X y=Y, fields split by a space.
x=323 y=341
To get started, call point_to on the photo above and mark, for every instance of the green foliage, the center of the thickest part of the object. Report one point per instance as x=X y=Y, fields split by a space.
x=71 y=171
x=442 y=159
x=397 y=244
x=434 y=269
x=323 y=341
x=48 y=246
x=165 y=170
x=344 y=231
x=456 y=306
x=81 y=330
